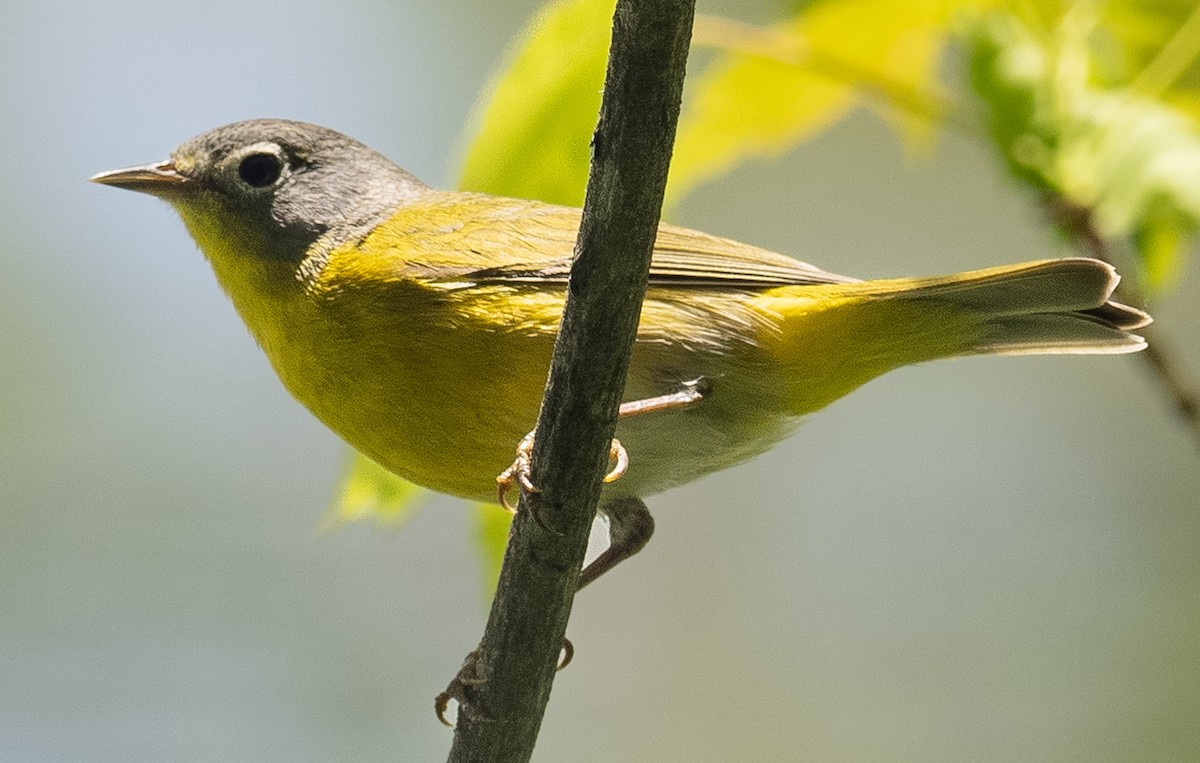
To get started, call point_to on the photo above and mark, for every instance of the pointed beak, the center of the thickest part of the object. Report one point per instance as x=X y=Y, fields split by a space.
x=159 y=179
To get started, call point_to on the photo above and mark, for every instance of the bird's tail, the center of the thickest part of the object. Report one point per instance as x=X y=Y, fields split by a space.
x=1047 y=307
x=835 y=337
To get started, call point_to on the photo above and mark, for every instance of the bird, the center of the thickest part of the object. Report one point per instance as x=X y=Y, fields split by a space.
x=418 y=323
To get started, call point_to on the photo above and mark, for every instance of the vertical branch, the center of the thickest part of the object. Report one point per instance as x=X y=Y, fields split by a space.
x=505 y=684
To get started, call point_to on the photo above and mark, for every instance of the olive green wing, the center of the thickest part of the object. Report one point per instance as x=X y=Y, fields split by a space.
x=531 y=242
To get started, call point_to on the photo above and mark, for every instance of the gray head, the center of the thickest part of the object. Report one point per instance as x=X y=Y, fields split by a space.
x=284 y=184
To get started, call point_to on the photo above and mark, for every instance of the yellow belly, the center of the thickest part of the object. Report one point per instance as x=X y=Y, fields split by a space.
x=439 y=382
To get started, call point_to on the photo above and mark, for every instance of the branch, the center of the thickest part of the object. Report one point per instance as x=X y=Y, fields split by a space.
x=505 y=684
x=1158 y=354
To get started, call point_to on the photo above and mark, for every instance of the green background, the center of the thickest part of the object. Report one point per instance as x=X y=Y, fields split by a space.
x=984 y=559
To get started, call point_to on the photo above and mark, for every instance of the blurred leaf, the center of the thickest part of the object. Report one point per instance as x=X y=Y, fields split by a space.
x=1145 y=183
x=538 y=116
x=1010 y=72
x=773 y=87
x=491 y=536
x=1131 y=160
x=1160 y=237
x=369 y=490
x=752 y=105
x=1160 y=40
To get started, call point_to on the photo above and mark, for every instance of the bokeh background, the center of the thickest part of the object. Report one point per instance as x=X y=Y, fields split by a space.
x=984 y=559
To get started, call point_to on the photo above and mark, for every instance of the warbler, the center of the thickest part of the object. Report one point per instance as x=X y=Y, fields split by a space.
x=418 y=323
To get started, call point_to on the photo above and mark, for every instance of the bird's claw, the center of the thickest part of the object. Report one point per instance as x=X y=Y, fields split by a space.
x=518 y=474
x=470 y=674
x=568 y=653
x=619 y=459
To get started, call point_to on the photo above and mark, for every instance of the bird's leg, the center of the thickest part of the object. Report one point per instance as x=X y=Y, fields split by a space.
x=517 y=474
x=629 y=522
x=690 y=392
x=470 y=674
x=629 y=529
x=473 y=673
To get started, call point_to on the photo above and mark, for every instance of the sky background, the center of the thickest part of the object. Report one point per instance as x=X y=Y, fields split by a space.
x=983 y=559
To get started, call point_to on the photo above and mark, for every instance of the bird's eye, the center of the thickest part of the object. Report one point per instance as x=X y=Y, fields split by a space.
x=260 y=170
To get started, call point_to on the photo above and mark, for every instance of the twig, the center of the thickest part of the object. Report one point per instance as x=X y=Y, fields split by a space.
x=504 y=688
x=1158 y=355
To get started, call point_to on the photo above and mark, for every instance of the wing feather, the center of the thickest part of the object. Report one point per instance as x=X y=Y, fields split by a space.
x=533 y=243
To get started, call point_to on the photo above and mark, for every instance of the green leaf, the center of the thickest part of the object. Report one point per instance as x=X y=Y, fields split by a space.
x=1131 y=161
x=752 y=105
x=1010 y=72
x=773 y=87
x=492 y=524
x=537 y=119
x=1145 y=183
x=370 y=491
x=1160 y=41
x=768 y=90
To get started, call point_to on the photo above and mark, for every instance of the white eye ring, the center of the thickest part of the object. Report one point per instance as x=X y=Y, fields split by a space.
x=260 y=166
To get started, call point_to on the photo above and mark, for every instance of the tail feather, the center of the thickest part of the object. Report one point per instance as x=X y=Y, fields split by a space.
x=1121 y=316
x=1047 y=307
x=1077 y=333
x=840 y=336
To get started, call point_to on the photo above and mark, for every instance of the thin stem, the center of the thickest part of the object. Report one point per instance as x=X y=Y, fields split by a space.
x=505 y=684
x=1158 y=355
